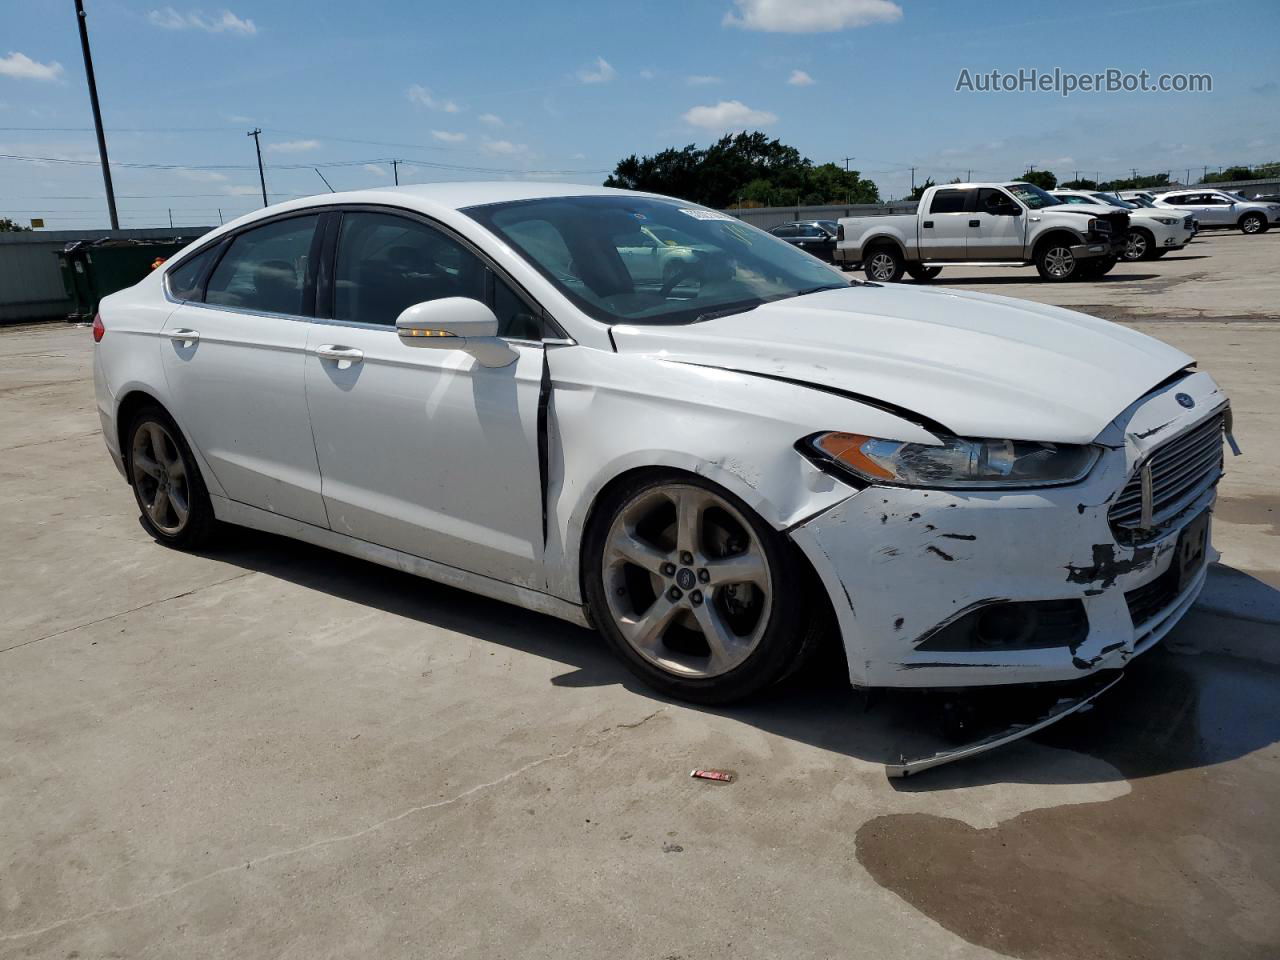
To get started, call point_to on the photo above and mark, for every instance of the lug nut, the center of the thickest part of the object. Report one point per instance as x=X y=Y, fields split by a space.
x=696 y=597
x=674 y=594
x=704 y=576
x=669 y=569
x=686 y=557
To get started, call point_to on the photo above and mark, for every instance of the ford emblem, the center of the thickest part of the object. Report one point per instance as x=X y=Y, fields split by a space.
x=1186 y=400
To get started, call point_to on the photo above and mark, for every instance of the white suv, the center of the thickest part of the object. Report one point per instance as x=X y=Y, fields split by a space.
x=1222 y=210
x=1153 y=232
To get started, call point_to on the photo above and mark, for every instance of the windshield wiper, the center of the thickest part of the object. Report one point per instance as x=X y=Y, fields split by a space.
x=727 y=312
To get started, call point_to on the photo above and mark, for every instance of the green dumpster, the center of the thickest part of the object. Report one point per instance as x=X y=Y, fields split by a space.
x=92 y=269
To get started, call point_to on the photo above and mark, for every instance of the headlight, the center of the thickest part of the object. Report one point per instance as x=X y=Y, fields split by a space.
x=1100 y=226
x=1167 y=221
x=956 y=462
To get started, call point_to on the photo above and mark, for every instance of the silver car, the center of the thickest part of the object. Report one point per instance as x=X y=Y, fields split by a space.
x=1219 y=209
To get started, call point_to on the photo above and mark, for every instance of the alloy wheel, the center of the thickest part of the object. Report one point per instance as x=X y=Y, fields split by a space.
x=1059 y=262
x=882 y=266
x=1251 y=224
x=1136 y=248
x=160 y=477
x=688 y=582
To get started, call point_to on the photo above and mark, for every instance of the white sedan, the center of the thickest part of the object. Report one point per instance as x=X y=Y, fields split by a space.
x=718 y=470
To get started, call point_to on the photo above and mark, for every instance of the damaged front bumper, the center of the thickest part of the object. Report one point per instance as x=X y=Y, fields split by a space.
x=910 y=571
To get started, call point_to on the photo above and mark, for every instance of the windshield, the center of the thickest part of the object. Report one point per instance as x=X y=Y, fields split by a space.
x=1140 y=202
x=1033 y=197
x=828 y=225
x=642 y=260
x=1116 y=201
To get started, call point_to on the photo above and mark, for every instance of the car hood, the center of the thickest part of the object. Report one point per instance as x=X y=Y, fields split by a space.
x=1089 y=209
x=978 y=365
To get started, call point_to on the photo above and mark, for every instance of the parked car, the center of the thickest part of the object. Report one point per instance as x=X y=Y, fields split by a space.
x=817 y=237
x=1014 y=224
x=654 y=254
x=465 y=382
x=1218 y=209
x=1152 y=232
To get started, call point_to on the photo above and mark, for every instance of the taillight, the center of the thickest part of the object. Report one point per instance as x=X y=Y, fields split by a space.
x=98 y=328
x=840 y=231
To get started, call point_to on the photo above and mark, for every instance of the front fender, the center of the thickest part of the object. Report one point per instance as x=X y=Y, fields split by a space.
x=613 y=413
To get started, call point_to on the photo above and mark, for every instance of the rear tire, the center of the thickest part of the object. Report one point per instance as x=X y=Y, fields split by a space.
x=1253 y=223
x=659 y=559
x=884 y=264
x=166 y=481
x=922 y=274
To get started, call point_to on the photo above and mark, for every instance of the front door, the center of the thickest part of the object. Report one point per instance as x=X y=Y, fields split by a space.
x=424 y=450
x=996 y=227
x=233 y=361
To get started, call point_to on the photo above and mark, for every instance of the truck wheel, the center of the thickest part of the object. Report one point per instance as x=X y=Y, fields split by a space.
x=922 y=274
x=1055 y=262
x=884 y=265
x=1139 y=245
x=1253 y=223
x=1095 y=268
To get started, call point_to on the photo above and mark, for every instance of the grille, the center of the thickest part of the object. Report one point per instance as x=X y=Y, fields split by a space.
x=1178 y=472
x=1188 y=222
x=1146 y=601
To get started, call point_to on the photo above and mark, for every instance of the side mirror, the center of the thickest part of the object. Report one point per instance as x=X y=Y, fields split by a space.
x=455 y=323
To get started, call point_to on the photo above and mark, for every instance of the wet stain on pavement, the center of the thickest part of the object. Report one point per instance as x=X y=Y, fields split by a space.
x=1257 y=510
x=1187 y=865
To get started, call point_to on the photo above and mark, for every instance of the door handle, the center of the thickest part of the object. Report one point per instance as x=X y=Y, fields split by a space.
x=975 y=223
x=184 y=336
x=1034 y=219
x=928 y=224
x=331 y=351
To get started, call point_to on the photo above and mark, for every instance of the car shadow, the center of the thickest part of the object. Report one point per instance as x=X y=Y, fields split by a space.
x=1170 y=711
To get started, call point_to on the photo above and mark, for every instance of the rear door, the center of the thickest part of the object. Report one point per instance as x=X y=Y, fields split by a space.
x=233 y=362
x=944 y=227
x=996 y=226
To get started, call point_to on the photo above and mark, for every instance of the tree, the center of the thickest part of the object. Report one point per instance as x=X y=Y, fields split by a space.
x=1044 y=179
x=918 y=192
x=1265 y=171
x=1081 y=184
x=742 y=167
x=1136 y=183
x=9 y=226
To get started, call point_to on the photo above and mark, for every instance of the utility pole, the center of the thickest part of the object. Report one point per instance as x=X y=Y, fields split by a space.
x=262 y=177
x=97 y=114
x=171 y=218
x=395 y=171
x=913 y=179
x=846 y=163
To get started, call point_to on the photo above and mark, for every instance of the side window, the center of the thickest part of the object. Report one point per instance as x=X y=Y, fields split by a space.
x=997 y=202
x=1213 y=200
x=265 y=268
x=387 y=263
x=515 y=319
x=949 y=201
x=184 y=279
x=786 y=230
x=811 y=232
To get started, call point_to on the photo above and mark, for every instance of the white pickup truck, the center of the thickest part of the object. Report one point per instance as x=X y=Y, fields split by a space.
x=986 y=224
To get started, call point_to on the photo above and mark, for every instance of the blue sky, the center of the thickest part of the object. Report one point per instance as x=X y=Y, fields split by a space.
x=561 y=90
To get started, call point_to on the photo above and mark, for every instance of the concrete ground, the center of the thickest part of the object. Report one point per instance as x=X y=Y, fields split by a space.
x=273 y=751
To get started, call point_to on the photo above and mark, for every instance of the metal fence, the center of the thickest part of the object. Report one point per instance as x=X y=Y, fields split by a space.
x=30 y=283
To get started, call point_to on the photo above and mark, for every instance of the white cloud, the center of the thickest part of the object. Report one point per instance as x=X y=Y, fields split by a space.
x=423 y=97
x=810 y=16
x=22 y=67
x=293 y=146
x=504 y=148
x=799 y=78
x=701 y=80
x=599 y=72
x=244 y=191
x=448 y=136
x=168 y=18
x=728 y=115
x=238 y=118
x=376 y=170
x=201 y=176
x=490 y=120
x=647 y=74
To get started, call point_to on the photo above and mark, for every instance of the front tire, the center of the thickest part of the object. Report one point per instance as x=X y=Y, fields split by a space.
x=1055 y=262
x=1252 y=223
x=166 y=481
x=697 y=595
x=884 y=265
x=1097 y=267
x=1140 y=245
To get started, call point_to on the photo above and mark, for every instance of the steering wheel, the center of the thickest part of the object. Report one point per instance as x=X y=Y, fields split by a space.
x=678 y=274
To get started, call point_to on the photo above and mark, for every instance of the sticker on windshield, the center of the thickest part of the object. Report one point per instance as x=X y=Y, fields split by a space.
x=705 y=214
